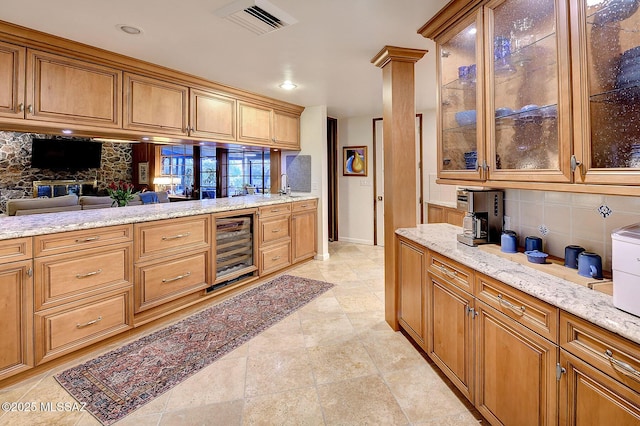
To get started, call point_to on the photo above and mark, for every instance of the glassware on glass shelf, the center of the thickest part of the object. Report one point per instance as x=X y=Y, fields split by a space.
x=521 y=34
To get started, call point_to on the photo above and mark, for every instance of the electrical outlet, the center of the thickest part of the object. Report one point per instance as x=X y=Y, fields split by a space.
x=507 y=222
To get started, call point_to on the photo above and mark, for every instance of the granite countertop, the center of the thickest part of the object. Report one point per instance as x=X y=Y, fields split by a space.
x=48 y=223
x=583 y=302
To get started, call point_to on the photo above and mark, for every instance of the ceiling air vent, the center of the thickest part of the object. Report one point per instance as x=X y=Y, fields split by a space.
x=258 y=16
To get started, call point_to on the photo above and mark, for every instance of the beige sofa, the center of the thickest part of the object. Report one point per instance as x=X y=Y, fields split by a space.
x=25 y=206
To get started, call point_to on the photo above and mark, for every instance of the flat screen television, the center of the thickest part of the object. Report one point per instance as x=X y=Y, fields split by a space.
x=65 y=154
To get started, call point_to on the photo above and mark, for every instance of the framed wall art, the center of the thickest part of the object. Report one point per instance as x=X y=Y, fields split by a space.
x=143 y=173
x=355 y=160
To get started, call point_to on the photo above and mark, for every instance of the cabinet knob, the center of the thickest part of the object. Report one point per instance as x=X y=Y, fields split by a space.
x=30 y=109
x=21 y=107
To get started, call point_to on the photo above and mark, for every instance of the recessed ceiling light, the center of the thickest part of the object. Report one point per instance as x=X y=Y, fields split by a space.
x=287 y=85
x=129 y=29
x=67 y=131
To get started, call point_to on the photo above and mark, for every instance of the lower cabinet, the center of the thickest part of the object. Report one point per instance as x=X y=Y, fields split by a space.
x=412 y=298
x=601 y=380
x=588 y=396
x=516 y=371
x=450 y=338
x=16 y=317
x=303 y=230
x=71 y=326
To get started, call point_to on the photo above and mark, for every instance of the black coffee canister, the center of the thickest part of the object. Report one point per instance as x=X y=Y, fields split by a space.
x=571 y=254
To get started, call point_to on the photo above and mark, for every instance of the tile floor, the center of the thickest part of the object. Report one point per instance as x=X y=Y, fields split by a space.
x=333 y=362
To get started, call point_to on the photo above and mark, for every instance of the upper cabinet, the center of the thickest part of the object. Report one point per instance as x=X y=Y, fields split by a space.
x=539 y=94
x=268 y=126
x=48 y=84
x=212 y=115
x=527 y=80
x=12 y=75
x=606 y=90
x=461 y=116
x=153 y=105
x=254 y=123
x=50 y=88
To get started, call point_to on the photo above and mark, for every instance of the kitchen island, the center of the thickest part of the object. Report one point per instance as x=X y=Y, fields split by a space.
x=524 y=346
x=76 y=278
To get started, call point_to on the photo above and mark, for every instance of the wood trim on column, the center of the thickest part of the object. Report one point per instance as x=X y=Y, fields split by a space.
x=399 y=114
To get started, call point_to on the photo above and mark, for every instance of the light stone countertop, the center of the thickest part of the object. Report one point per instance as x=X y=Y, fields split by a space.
x=581 y=301
x=48 y=223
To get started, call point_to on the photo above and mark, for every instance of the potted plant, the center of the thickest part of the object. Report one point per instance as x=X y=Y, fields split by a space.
x=121 y=193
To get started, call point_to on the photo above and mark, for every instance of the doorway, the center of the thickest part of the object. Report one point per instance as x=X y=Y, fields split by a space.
x=378 y=179
x=332 y=156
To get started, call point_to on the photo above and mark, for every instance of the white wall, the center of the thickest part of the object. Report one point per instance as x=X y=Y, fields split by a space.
x=313 y=142
x=355 y=194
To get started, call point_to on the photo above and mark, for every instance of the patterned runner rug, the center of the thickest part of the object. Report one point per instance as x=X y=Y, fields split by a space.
x=117 y=383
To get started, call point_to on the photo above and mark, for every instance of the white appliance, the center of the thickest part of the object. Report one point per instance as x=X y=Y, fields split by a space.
x=625 y=263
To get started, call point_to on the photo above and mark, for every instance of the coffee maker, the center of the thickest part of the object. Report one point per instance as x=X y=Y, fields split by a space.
x=484 y=213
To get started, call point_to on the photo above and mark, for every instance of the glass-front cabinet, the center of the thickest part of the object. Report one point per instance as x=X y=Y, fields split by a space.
x=461 y=152
x=527 y=103
x=541 y=94
x=606 y=88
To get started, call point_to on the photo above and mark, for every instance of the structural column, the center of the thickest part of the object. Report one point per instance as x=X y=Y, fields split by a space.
x=399 y=115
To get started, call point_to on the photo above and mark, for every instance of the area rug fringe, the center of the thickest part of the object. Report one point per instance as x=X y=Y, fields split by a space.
x=113 y=385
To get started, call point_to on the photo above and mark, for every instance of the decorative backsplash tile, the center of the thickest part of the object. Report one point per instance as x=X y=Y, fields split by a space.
x=604 y=211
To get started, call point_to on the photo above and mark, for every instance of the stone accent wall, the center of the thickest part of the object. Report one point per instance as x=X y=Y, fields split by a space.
x=17 y=176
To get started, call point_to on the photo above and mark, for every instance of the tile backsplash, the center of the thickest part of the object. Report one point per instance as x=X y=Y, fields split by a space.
x=562 y=218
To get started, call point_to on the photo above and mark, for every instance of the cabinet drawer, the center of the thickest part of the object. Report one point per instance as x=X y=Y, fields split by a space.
x=65 y=242
x=72 y=326
x=275 y=258
x=274 y=229
x=612 y=354
x=66 y=277
x=451 y=271
x=298 y=206
x=161 y=282
x=534 y=314
x=15 y=250
x=166 y=237
x=274 y=210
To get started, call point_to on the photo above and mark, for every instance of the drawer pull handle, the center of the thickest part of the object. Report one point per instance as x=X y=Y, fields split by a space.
x=88 y=274
x=303 y=206
x=276 y=258
x=275 y=230
x=518 y=310
x=88 y=239
x=623 y=367
x=86 y=324
x=175 y=237
x=450 y=274
x=179 y=277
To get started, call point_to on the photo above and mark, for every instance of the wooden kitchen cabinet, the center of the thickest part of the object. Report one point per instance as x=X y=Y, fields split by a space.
x=155 y=106
x=286 y=130
x=515 y=371
x=590 y=397
x=442 y=214
x=265 y=125
x=65 y=90
x=450 y=341
x=412 y=289
x=604 y=40
x=274 y=237
x=12 y=80
x=16 y=306
x=304 y=237
x=545 y=125
x=212 y=115
x=83 y=283
x=172 y=259
x=254 y=123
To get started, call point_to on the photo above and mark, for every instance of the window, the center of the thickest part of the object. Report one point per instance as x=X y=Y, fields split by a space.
x=222 y=172
x=176 y=163
x=208 y=172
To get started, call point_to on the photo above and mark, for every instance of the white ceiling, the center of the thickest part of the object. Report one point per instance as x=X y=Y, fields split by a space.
x=327 y=53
